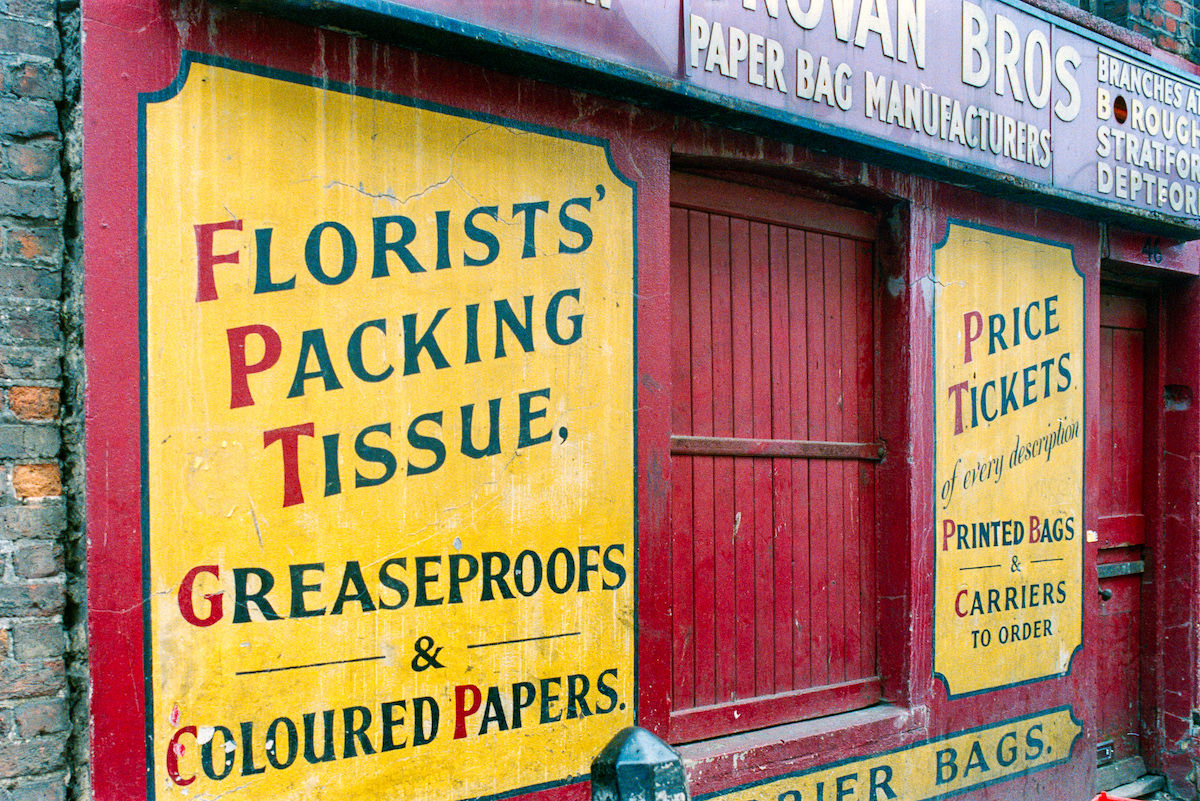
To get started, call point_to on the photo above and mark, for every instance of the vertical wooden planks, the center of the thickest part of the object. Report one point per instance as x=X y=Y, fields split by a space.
x=818 y=471
x=683 y=640
x=865 y=380
x=728 y=236
x=743 y=591
x=1133 y=347
x=798 y=345
x=1108 y=504
x=779 y=553
x=781 y=469
x=703 y=587
x=1122 y=444
x=833 y=429
x=1123 y=321
x=850 y=390
x=760 y=303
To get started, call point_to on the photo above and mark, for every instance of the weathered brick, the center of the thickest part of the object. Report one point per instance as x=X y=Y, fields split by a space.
x=39 y=788
x=28 y=322
x=31 y=757
x=37 y=480
x=40 y=559
x=30 y=363
x=40 y=245
x=28 y=118
x=31 y=281
x=35 y=717
x=29 y=9
x=38 y=639
x=22 y=440
x=29 y=680
x=32 y=200
x=31 y=598
x=32 y=160
x=36 y=79
x=34 y=403
x=40 y=521
x=29 y=37
x=43 y=716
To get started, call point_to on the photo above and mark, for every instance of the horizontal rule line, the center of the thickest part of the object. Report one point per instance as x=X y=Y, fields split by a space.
x=978 y=567
x=314 y=664
x=778 y=448
x=1055 y=559
x=524 y=639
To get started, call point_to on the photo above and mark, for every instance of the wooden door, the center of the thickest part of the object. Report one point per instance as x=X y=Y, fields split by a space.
x=1122 y=523
x=773 y=459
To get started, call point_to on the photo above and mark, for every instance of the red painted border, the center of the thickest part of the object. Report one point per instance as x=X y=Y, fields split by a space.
x=132 y=48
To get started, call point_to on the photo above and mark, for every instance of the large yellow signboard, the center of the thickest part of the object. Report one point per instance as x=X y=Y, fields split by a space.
x=941 y=768
x=1008 y=494
x=388 y=445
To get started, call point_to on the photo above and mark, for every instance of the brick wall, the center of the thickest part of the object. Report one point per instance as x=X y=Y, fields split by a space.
x=35 y=713
x=43 y=645
x=1170 y=24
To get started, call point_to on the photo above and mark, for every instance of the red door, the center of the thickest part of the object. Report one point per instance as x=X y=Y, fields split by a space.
x=773 y=454
x=1122 y=524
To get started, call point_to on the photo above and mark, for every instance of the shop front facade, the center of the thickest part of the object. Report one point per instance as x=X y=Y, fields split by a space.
x=809 y=384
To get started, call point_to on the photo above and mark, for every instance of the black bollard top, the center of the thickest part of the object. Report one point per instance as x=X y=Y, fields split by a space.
x=637 y=766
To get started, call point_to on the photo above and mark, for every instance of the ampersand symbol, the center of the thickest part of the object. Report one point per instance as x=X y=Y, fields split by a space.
x=424 y=659
x=1016 y=565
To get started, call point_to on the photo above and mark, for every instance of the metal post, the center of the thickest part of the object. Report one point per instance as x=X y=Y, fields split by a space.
x=637 y=766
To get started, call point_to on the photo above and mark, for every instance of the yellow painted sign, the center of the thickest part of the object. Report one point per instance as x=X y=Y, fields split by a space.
x=1008 y=399
x=389 y=415
x=940 y=768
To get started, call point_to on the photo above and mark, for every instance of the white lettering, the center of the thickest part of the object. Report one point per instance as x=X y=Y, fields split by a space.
x=974 y=46
x=873 y=18
x=698 y=39
x=809 y=18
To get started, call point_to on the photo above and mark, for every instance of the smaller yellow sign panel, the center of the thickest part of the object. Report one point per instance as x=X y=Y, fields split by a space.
x=389 y=407
x=933 y=769
x=1008 y=399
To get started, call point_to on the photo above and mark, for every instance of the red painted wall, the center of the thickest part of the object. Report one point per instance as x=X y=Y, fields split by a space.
x=133 y=47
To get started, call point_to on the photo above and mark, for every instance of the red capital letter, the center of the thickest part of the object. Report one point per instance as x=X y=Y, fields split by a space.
x=948 y=529
x=206 y=285
x=289 y=440
x=186 y=590
x=239 y=370
x=968 y=337
x=464 y=710
x=174 y=749
x=957 y=392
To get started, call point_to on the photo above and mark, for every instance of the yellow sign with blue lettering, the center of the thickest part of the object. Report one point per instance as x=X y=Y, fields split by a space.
x=1008 y=495
x=941 y=768
x=387 y=444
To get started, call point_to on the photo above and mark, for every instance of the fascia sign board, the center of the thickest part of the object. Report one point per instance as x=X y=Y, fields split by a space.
x=994 y=93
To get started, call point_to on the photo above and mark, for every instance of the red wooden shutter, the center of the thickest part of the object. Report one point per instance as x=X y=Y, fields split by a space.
x=1122 y=346
x=1121 y=521
x=773 y=459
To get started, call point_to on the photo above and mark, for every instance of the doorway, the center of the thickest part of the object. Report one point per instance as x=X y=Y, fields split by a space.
x=1125 y=363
